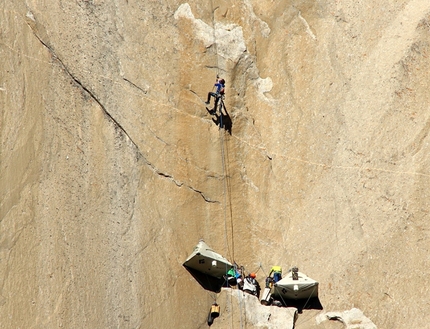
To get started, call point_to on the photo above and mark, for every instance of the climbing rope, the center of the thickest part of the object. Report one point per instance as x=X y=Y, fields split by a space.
x=221 y=133
x=230 y=252
x=224 y=170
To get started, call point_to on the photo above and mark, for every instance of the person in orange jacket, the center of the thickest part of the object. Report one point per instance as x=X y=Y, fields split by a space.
x=250 y=285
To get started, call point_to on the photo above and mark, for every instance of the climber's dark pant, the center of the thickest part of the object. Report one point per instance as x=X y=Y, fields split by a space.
x=214 y=95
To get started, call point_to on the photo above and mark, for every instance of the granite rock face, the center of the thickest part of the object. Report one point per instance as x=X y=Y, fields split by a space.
x=352 y=319
x=111 y=168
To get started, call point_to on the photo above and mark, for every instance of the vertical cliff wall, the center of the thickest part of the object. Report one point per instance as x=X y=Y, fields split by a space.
x=112 y=169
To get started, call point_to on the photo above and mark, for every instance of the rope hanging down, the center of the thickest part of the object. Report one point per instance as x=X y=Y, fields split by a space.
x=221 y=136
x=221 y=133
x=224 y=170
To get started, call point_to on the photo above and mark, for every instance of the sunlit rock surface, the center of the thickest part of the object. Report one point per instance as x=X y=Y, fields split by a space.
x=352 y=319
x=112 y=169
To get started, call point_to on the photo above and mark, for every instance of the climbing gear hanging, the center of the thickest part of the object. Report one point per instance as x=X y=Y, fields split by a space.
x=213 y=313
x=215 y=308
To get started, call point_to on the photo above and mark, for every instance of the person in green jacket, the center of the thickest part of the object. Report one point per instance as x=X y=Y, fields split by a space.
x=233 y=276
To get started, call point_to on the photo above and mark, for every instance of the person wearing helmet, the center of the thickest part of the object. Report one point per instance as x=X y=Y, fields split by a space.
x=232 y=276
x=220 y=88
x=250 y=285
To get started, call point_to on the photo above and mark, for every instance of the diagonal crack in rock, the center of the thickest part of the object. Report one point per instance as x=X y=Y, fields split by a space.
x=89 y=92
x=106 y=112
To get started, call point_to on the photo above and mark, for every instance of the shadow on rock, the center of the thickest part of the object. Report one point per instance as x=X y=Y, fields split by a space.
x=206 y=281
x=222 y=119
x=303 y=304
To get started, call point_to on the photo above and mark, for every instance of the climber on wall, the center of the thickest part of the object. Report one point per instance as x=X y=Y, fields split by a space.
x=232 y=276
x=251 y=286
x=277 y=273
x=220 y=87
